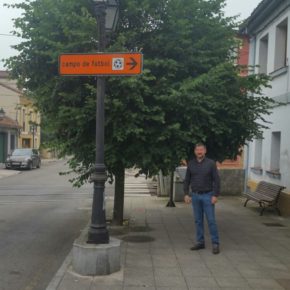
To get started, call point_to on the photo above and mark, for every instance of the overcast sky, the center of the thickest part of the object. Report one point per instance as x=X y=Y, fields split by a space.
x=234 y=7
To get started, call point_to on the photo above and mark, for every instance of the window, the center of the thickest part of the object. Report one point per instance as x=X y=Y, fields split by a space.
x=263 y=55
x=275 y=151
x=258 y=153
x=23 y=120
x=12 y=142
x=281 y=45
x=26 y=143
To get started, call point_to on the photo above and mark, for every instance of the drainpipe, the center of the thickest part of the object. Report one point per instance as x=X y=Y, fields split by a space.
x=252 y=61
x=247 y=158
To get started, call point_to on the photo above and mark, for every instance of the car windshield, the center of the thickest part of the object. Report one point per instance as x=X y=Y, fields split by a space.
x=21 y=152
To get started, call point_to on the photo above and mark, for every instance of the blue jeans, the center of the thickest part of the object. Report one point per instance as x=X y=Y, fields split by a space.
x=202 y=205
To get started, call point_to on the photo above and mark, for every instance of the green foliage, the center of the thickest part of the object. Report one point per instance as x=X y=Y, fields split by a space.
x=190 y=90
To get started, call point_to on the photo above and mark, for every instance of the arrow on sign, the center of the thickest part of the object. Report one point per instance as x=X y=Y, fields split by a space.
x=133 y=64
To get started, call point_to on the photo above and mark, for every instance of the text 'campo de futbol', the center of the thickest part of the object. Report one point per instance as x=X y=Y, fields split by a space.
x=86 y=64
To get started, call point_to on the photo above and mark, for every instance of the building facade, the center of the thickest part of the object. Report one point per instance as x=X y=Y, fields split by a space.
x=20 y=110
x=9 y=132
x=29 y=120
x=268 y=157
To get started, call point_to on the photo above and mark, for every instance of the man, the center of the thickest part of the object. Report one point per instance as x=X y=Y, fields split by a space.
x=202 y=176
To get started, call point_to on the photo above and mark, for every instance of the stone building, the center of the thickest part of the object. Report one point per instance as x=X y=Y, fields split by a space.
x=21 y=111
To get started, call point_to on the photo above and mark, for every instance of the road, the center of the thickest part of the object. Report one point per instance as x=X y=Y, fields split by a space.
x=40 y=216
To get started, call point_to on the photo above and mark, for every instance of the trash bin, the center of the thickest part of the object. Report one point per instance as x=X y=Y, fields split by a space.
x=179 y=176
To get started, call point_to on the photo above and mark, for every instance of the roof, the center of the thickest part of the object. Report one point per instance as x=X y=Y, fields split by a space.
x=8 y=83
x=6 y=122
x=265 y=12
x=4 y=74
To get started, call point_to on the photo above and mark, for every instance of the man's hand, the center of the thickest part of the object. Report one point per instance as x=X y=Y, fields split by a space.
x=214 y=199
x=187 y=199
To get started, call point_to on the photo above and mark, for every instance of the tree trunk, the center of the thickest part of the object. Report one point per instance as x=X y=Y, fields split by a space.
x=118 y=213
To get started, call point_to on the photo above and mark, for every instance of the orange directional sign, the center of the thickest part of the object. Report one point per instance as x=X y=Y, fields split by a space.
x=101 y=64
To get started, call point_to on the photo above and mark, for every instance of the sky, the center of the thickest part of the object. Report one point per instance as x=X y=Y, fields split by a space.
x=234 y=7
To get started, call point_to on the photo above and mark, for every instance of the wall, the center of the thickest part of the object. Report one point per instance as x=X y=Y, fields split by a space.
x=280 y=120
x=8 y=101
x=232 y=181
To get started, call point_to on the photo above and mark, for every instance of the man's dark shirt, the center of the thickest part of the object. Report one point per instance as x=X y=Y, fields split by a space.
x=202 y=177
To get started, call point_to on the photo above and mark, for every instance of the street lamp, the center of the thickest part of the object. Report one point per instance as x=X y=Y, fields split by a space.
x=33 y=130
x=2 y=113
x=107 y=17
x=112 y=15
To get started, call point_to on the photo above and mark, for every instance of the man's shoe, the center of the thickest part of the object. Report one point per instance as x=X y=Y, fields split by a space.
x=197 y=247
x=215 y=249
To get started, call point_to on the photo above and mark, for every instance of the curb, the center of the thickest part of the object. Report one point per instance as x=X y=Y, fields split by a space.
x=54 y=283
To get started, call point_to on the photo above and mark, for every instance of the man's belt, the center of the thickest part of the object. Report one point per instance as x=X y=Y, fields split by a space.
x=202 y=192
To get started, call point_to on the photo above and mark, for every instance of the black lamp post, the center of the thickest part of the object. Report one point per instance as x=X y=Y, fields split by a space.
x=107 y=17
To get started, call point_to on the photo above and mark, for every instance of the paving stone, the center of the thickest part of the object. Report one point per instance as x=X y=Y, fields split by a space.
x=171 y=288
x=165 y=261
x=285 y=283
x=278 y=274
x=204 y=288
x=136 y=288
x=141 y=277
x=144 y=260
x=159 y=244
x=168 y=251
x=237 y=288
x=199 y=282
x=169 y=277
x=237 y=256
x=232 y=282
x=225 y=271
x=252 y=271
x=273 y=266
x=105 y=287
x=191 y=257
x=73 y=282
x=196 y=270
x=264 y=284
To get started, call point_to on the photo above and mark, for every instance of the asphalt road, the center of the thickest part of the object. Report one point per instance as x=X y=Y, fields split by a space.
x=40 y=216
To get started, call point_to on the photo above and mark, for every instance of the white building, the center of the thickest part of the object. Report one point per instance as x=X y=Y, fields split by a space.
x=269 y=158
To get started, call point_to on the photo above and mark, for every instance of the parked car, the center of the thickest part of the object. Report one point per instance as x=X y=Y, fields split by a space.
x=23 y=158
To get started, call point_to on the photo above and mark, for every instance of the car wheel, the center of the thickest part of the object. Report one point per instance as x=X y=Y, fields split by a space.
x=30 y=165
x=39 y=164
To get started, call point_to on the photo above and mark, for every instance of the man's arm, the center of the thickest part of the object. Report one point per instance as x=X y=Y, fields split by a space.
x=216 y=180
x=186 y=182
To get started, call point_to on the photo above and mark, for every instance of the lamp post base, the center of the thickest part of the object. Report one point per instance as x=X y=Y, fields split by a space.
x=170 y=204
x=96 y=260
x=98 y=236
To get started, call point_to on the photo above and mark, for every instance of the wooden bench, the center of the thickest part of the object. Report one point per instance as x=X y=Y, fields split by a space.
x=266 y=194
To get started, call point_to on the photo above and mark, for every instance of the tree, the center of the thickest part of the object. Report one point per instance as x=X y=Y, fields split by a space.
x=190 y=91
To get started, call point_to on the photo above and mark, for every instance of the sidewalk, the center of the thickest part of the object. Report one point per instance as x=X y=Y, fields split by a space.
x=6 y=173
x=255 y=251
